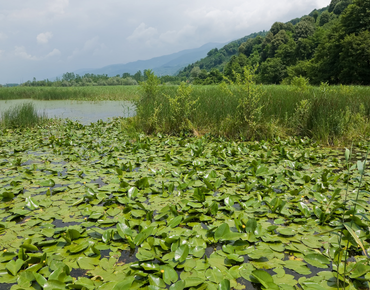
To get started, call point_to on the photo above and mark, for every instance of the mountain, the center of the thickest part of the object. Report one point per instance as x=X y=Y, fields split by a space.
x=163 y=65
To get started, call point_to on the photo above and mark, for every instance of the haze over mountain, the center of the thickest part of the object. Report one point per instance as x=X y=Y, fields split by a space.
x=163 y=65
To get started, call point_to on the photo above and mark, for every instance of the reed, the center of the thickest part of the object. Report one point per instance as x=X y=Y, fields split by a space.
x=21 y=116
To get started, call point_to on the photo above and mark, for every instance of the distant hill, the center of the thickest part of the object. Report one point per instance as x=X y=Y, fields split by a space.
x=163 y=65
x=218 y=58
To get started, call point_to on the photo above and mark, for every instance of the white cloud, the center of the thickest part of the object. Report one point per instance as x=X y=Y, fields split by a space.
x=22 y=53
x=55 y=52
x=1 y=53
x=44 y=37
x=173 y=36
x=58 y=6
x=142 y=33
x=90 y=47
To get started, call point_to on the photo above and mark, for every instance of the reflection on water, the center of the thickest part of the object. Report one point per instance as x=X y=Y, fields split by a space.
x=83 y=111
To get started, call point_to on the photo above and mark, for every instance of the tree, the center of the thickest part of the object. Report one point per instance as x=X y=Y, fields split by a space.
x=280 y=38
x=195 y=72
x=356 y=17
x=276 y=27
x=355 y=59
x=138 y=76
x=324 y=18
x=315 y=15
x=272 y=71
x=287 y=53
x=303 y=30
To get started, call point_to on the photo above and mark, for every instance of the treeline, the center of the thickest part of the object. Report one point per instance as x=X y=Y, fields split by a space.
x=71 y=79
x=330 y=45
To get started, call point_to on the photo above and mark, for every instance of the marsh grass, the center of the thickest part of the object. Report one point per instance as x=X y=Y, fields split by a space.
x=330 y=114
x=105 y=93
x=21 y=116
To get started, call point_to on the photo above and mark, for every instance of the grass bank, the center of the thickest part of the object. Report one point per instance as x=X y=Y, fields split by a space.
x=71 y=93
x=330 y=114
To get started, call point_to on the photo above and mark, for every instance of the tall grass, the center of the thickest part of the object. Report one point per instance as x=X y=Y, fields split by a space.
x=71 y=93
x=21 y=116
x=327 y=114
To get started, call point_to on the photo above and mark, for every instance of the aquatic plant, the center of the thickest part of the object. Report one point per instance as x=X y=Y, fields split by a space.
x=21 y=116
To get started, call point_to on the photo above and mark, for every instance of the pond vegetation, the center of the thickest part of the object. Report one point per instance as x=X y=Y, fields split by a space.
x=91 y=207
x=22 y=115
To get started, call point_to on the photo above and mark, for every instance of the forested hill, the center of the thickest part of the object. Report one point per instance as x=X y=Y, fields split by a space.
x=328 y=45
x=217 y=58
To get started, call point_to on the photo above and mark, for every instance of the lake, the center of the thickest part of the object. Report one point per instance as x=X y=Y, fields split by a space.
x=85 y=112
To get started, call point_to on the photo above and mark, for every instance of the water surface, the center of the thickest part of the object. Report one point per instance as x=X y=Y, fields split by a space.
x=85 y=112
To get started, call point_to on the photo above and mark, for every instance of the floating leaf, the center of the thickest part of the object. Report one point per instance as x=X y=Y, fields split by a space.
x=14 y=266
x=181 y=253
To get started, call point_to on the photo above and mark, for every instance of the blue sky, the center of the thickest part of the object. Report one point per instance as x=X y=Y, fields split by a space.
x=45 y=38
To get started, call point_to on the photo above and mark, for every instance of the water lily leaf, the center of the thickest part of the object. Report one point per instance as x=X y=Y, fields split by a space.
x=175 y=222
x=73 y=234
x=143 y=183
x=223 y=233
x=86 y=263
x=73 y=249
x=265 y=279
x=224 y=285
x=179 y=285
x=31 y=203
x=181 y=253
x=317 y=260
x=193 y=281
x=132 y=192
x=311 y=285
x=298 y=266
x=48 y=183
x=39 y=278
x=125 y=284
x=25 y=279
x=170 y=276
x=123 y=230
x=359 y=270
x=140 y=238
x=156 y=281
x=286 y=231
x=214 y=275
x=14 y=266
x=229 y=201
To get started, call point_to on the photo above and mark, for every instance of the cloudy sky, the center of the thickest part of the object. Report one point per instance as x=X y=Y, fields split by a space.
x=45 y=38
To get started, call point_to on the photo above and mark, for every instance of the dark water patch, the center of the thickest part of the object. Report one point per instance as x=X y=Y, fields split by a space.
x=61 y=224
x=128 y=256
x=248 y=285
x=78 y=273
x=6 y=286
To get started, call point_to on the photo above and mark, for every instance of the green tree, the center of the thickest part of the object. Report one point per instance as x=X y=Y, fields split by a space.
x=272 y=71
x=304 y=29
x=324 y=18
x=355 y=59
x=356 y=17
x=287 y=53
x=280 y=38
x=276 y=27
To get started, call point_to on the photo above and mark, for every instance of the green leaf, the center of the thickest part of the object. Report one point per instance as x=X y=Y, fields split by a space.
x=317 y=260
x=48 y=183
x=199 y=194
x=142 y=183
x=14 y=266
x=193 y=281
x=140 y=238
x=78 y=248
x=125 y=284
x=179 y=285
x=181 y=253
x=357 y=239
x=224 y=285
x=214 y=275
x=156 y=281
x=123 y=230
x=31 y=203
x=359 y=270
x=169 y=275
x=132 y=192
x=175 y=221
x=265 y=279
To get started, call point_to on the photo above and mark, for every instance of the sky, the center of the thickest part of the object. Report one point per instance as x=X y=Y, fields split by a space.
x=46 y=38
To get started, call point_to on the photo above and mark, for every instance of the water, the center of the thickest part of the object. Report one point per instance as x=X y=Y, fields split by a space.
x=85 y=112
